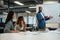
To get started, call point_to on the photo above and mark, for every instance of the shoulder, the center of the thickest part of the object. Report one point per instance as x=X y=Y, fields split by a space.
x=17 y=25
x=38 y=14
x=9 y=22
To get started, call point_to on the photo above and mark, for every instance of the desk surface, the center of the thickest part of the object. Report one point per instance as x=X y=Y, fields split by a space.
x=51 y=35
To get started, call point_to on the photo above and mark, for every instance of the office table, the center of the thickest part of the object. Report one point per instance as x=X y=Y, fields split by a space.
x=39 y=35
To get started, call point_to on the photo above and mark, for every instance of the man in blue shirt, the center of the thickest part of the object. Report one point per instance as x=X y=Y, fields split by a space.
x=41 y=18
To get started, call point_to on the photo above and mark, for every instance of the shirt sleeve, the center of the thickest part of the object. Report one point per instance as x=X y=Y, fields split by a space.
x=47 y=18
x=9 y=26
x=12 y=27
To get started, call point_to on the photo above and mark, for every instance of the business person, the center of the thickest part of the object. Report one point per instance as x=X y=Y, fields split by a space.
x=9 y=23
x=41 y=18
x=21 y=24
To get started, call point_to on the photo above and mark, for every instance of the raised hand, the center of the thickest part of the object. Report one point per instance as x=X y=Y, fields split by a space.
x=50 y=17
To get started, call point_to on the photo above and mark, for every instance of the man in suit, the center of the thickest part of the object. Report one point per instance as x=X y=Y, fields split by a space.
x=41 y=18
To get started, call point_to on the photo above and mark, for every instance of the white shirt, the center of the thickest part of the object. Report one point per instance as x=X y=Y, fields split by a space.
x=18 y=27
x=42 y=14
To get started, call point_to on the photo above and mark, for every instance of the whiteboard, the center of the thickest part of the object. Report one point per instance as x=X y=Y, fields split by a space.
x=51 y=10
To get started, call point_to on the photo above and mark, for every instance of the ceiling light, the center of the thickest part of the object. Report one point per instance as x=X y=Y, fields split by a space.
x=32 y=7
x=11 y=7
x=5 y=13
x=18 y=3
x=1 y=3
x=28 y=11
x=50 y=2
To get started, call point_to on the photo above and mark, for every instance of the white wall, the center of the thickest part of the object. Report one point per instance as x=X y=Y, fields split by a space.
x=51 y=10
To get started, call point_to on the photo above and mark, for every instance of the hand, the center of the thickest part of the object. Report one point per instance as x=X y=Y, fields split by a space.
x=50 y=17
x=46 y=16
x=16 y=31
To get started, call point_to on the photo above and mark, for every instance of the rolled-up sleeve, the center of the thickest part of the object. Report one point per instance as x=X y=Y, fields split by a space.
x=12 y=27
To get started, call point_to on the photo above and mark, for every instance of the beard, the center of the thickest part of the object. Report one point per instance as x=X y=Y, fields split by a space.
x=40 y=11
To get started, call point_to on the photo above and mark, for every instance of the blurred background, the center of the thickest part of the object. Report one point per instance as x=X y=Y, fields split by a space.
x=26 y=8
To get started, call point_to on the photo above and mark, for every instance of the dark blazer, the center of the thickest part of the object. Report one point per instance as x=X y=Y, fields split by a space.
x=41 y=20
